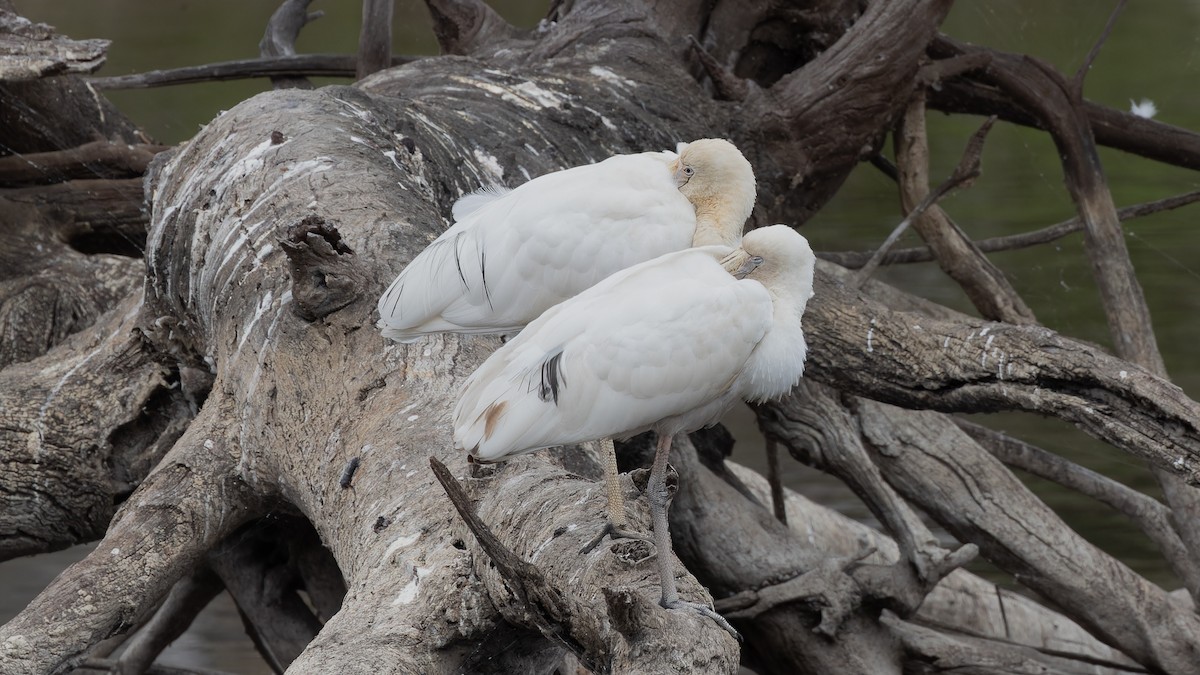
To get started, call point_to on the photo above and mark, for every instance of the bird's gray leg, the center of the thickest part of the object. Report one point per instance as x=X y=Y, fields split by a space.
x=659 y=503
x=775 y=480
x=616 y=526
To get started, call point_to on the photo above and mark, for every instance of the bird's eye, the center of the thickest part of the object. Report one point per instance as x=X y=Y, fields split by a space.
x=756 y=260
x=688 y=171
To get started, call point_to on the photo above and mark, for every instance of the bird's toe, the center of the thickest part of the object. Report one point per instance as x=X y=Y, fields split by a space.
x=704 y=610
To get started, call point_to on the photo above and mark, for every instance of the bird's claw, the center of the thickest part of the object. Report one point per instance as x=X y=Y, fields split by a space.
x=615 y=532
x=706 y=611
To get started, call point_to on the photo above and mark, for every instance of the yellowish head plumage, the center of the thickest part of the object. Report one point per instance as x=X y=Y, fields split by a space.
x=716 y=178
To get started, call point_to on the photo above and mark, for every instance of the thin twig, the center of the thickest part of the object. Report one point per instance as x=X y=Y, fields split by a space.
x=966 y=171
x=1045 y=235
x=313 y=65
x=547 y=608
x=1077 y=81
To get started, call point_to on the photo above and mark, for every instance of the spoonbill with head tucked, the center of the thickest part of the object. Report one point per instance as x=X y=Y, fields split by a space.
x=513 y=254
x=669 y=345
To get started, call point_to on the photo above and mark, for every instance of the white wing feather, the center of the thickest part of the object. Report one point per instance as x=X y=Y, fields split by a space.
x=514 y=255
x=472 y=202
x=660 y=339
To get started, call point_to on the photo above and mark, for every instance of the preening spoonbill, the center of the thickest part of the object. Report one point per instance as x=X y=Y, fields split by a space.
x=513 y=254
x=669 y=345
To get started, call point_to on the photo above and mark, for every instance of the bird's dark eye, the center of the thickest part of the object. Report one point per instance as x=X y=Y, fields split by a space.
x=688 y=171
x=756 y=260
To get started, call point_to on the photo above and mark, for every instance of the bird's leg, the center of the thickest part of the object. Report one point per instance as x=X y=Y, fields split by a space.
x=659 y=503
x=616 y=525
x=775 y=479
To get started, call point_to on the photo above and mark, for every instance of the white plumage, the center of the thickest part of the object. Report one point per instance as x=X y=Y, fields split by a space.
x=512 y=254
x=669 y=345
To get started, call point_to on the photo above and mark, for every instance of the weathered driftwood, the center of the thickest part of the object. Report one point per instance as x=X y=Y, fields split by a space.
x=244 y=377
x=29 y=51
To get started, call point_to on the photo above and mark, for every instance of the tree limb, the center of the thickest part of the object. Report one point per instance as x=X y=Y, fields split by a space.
x=375 y=37
x=984 y=283
x=98 y=159
x=279 y=39
x=184 y=602
x=916 y=361
x=826 y=116
x=856 y=259
x=466 y=26
x=936 y=467
x=183 y=508
x=1147 y=513
x=965 y=172
x=299 y=65
x=33 y=50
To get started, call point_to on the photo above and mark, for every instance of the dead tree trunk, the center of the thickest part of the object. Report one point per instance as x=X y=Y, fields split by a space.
x=235 y=373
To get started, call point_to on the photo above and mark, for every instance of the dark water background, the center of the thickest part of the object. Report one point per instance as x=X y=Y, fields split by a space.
x=1152 y=54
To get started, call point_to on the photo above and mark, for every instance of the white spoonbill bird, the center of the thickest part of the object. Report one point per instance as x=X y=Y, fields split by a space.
x=669 y=344
x=513 y=254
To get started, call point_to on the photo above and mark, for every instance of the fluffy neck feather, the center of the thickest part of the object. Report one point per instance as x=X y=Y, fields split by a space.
x=718 y=221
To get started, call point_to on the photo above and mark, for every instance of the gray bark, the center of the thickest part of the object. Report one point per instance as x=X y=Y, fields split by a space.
x=235 y=371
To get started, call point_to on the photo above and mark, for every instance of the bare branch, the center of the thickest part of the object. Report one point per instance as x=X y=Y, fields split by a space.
x=776 y=480
x=280 y=38
x=550 y=596
x=185 y=601
x=726 y=85
x=964 y=173
x=547 y=608
x=916 y=361
x=312 y=65
x=933 y=74
x=971 y=94
x=184 y=507
x=1012 y=242
x=986 y=286
x=465 y=26
x=1077 y=81
x=29 y=50
x=1148 y=514
x=947 y=650
x=938 y=468
x=375 y=37
x=98 y=159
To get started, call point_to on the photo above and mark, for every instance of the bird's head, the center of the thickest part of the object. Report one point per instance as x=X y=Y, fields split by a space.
x=779 y=258
x=719 y=182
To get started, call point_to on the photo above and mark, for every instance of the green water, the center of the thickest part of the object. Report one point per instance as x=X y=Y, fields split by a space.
x=1153 y=53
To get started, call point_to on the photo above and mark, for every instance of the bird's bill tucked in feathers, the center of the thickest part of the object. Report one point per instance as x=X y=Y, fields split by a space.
x=681 y=172
x=740 y=263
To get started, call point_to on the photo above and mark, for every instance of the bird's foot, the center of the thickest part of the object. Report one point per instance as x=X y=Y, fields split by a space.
x=706 y=611
x=615 y=532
